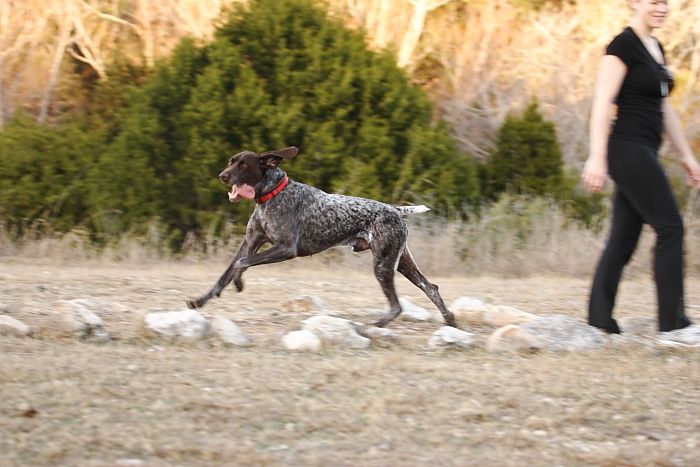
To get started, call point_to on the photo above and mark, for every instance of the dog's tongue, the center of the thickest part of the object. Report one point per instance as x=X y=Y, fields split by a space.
x=241 y=191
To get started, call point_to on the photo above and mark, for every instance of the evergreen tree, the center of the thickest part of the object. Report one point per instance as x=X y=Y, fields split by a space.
x=527 y=158
x=43 y=174
x=278 y=73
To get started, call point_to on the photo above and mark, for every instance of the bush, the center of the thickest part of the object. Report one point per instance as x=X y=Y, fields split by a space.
x=44 y=174
x=278 y=73
x=527 y=161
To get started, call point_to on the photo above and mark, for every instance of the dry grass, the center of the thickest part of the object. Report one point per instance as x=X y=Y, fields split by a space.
x=74 y=403
x=513 y=237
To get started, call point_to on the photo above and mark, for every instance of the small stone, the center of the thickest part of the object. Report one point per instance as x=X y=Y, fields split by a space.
x=73 y=318
x=448 y=336
x=687 y=337
x=301 y=340
x=467 y=304
x=563 y=333
x=130 y=462
x=10 y=326
x=186 y=324
x=374 y=332
x=412 y=312
x=229 y=332
x=511 y=338
x=304 y=303
x=638 y=326
x=499 y=316
x=337 y=331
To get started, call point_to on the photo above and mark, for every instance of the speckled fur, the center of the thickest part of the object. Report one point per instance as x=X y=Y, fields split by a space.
x=302 y=220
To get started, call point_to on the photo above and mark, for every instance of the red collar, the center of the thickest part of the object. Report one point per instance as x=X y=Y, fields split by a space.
x=275 y=191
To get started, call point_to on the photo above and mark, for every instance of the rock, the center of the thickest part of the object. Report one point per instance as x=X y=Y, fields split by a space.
x=374 y=332
x=301 y=340
x=304 y=303
x=72 y=318
x=499 y=316
x=229 y=332
x=467 y=304
x=563 y=333
x=511 y=338
x=186 y=324
x=100 y=307
x=639 y=326
x=130 y=462
x=448 y=336
x=472 y=312
x=412 y=312
x=688 y=337
x=338 y=331
x=10 y=326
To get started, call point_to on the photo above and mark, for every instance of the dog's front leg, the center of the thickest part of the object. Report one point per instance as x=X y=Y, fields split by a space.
x=275 y=254
x=250 y=245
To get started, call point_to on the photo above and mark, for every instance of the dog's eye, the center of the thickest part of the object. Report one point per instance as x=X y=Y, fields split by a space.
x=241 y=165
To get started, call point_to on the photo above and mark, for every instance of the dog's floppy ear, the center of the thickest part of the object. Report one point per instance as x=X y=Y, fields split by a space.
x=274 y=158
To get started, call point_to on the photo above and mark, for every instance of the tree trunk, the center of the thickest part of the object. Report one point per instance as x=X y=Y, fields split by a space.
x=415 y=28
x=54 y=71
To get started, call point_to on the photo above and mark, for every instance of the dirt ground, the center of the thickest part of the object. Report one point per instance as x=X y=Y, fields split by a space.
x=140 y=401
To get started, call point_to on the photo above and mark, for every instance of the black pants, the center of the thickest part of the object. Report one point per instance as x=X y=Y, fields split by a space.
x=642 y=196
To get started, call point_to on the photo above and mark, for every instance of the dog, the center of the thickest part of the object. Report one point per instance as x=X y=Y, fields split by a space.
x=300 y=220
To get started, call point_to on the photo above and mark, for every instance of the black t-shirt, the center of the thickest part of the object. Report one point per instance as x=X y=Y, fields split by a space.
x=639 y=116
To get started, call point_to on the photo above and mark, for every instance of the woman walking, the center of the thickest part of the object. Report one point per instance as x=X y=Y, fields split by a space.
x=633 y=75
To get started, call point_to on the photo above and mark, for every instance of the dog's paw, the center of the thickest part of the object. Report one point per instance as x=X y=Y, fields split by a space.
x=382 y=322
x=238 y=283
x=192 y=304
x=450 y=320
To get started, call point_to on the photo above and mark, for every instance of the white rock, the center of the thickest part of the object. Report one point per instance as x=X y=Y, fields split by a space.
x=685 y=337
x=511 y=338
x=99 y=306
x=10 y=326
x=71 y=317
x=187 y=324
x=338 y=331
x=374 y=332
x=467 y=304
x=412 y=312
x=563 y=333
x=229 y=332
x=301 y=340
x=130 y=462
x=639 y=326
x=448 y=336
x=305 y=303
x=499 y=316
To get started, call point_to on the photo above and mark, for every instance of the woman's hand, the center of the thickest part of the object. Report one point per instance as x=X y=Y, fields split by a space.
x=594 y=173
x=692 y=168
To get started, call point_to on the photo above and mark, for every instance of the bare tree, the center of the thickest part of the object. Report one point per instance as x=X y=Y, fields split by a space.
x=421 y=8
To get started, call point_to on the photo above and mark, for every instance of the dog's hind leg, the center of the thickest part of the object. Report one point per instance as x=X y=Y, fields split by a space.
x=408 y=267
x=385 y=260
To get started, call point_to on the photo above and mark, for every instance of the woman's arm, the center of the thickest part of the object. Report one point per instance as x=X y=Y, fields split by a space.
x=611 y=74
x=674 y=131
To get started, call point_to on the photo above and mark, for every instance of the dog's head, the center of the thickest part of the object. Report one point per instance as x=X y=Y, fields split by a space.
x=246 y=171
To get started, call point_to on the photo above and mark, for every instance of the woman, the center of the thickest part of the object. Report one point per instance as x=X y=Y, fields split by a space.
x=633 y=74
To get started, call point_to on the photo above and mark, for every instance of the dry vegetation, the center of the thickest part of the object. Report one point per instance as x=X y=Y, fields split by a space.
x=479 y=59
x=79 y=403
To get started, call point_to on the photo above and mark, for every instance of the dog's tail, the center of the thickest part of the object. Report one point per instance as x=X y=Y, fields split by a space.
x=406 y=210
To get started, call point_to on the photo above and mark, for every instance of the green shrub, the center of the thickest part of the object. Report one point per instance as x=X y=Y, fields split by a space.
x=527 y=160
x=43 y=174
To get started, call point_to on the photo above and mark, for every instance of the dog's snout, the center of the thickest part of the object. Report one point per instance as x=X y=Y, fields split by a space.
x=224 y=176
